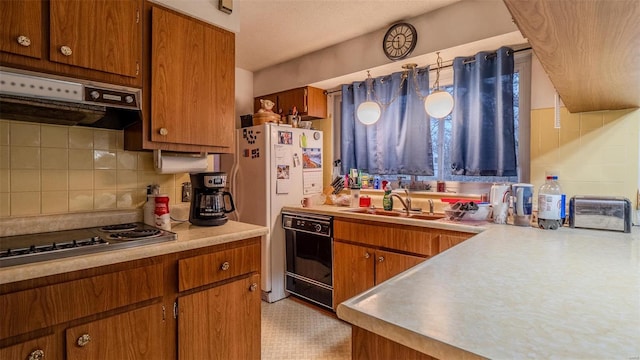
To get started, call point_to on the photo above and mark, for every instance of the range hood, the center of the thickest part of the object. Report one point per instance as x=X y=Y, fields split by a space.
x=44 y=98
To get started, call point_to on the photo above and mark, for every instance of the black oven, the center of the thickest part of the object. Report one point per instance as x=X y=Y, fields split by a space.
x=309 y=248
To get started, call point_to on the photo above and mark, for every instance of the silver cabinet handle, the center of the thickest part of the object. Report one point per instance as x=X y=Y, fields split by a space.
x=83 y=340
x=253 y=287
x=65 y=50
x=367 y=255
x=164 y=131
x=225 y=266
x=381 y=259
x=37 y=354
x=24 y=41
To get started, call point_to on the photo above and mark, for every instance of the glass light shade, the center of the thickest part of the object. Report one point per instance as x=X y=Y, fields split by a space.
x=438 y=104
x=368 y=112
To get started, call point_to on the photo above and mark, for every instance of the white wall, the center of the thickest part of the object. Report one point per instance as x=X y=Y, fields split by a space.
x=474 y=21
x=244 y=93
x=205 y=10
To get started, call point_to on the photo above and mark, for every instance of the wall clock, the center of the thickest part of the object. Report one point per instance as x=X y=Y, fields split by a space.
x=399 y=41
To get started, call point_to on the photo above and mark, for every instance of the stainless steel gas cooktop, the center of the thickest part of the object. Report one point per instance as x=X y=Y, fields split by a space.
x=27 y=249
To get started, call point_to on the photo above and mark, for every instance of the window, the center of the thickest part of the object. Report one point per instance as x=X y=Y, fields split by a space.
x=441 y=134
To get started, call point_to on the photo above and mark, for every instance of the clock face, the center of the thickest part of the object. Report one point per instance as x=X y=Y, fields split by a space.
x=399 y=41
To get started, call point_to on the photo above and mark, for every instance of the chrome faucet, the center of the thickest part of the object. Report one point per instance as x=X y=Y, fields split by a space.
x=431 y=207
x=406 y=208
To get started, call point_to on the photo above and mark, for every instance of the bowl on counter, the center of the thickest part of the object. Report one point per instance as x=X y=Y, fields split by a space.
x=464 y=212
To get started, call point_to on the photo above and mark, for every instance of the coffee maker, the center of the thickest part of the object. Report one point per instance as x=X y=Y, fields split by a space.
x=208 y=206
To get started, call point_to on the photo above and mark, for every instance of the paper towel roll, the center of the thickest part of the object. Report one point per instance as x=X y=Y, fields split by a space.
x=165 y=163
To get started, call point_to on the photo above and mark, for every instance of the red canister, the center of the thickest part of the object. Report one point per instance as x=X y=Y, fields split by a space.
x=162 y=214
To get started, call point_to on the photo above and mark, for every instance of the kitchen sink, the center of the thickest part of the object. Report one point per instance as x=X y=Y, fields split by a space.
x=394 y=213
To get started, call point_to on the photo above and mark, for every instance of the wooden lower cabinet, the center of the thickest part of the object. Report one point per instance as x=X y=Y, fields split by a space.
x=126 y=310
x=222 y=322
x=41 y=348
x=358 y=268
x=366 y=253
x=366 y=345
x=136 y=334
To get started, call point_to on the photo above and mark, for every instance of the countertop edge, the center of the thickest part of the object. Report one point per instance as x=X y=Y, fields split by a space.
x=193 y=237
x=403 y=336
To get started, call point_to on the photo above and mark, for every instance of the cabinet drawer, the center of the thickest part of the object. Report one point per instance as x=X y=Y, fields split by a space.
x=208 y=268
x=45 y=347
x=54 y=304
x=416 y=240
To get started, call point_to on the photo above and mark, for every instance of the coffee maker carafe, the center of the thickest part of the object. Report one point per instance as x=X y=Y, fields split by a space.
x=208 y=206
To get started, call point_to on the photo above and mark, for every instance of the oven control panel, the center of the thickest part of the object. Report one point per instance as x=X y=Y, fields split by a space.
x=310 y=224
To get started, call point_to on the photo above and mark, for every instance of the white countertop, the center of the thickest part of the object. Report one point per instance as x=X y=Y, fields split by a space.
x=189 y=237
x=511 y=293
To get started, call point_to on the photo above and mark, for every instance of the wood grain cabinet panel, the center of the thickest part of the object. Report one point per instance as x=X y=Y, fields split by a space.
x=192 y=82
x=208 y=268
x=370 y=346
x=136 y=334
x=21 y=19
x=46 y=347
x=415 y=240
x=310 y=102
x=104 y=35
x=353 y=270
x=390 y=264
x=222 y=322
x=54 y=304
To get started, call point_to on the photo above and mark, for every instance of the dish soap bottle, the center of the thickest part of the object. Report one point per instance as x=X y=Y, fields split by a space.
x=387 y=201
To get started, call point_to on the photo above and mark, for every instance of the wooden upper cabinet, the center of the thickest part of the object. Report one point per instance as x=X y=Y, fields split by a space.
x=589 y=49
x=104 y=35
x=192 y=81
x=21 y=28
x=310 y=102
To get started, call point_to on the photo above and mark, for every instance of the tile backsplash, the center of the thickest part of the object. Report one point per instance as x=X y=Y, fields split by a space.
x=51 y=169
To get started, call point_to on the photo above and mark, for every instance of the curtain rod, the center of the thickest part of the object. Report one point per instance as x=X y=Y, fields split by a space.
x=450 y=64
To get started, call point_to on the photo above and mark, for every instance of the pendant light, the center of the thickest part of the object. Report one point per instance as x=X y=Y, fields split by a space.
x=439 y=103
x=369 y=111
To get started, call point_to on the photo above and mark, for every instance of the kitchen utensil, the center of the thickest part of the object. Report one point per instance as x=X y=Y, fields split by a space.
x=522 y=195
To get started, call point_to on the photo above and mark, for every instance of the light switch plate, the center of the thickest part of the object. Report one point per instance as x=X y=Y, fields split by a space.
x=225 y=6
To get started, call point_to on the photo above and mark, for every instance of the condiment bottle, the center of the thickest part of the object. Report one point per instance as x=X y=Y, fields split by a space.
x=162 y=214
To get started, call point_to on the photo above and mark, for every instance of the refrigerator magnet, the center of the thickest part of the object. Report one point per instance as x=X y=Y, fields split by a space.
x=303 y=140
x=285 y=137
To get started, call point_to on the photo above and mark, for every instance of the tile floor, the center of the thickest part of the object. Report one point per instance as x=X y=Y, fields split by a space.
x=296 y=331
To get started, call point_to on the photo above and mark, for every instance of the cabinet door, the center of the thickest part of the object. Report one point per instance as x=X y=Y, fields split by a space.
x=104 y=35
x=390 y=264
x=41 y=348
x=447 y=241
x=294 y=97
x=192 y=98
x=353 y=271
x=222 y=322
x=137 y=334
x=21 y=28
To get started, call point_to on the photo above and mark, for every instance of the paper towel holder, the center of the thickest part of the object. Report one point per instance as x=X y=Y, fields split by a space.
x=173 y=162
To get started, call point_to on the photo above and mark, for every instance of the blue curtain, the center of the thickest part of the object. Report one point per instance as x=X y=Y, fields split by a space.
x=400 y=142
x=483 y=123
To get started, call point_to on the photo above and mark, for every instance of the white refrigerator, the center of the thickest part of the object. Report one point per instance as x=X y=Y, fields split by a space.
x=274 y=166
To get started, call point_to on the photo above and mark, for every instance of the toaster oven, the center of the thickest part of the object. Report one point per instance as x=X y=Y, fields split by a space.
x=602 y=213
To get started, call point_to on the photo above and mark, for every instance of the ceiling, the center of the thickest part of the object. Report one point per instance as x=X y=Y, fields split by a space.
x=275 y=31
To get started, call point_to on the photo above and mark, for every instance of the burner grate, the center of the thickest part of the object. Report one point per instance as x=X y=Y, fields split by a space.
x=119 y=227
x=135 y=234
